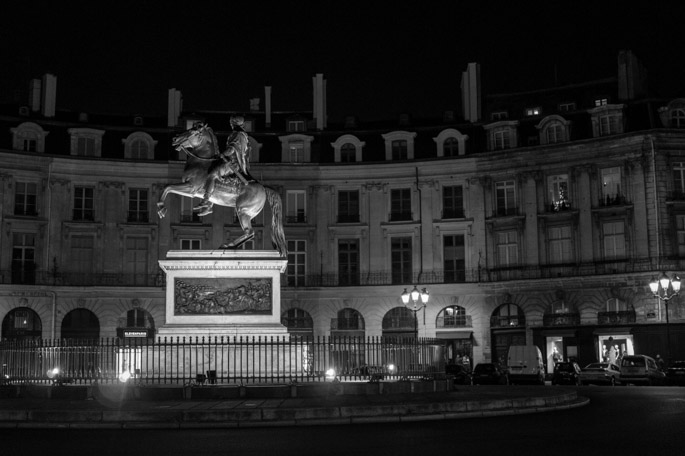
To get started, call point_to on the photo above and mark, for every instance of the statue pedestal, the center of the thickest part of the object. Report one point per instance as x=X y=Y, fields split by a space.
x=229 y=293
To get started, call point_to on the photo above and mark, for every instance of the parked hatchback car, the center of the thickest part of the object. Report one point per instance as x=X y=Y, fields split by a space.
x=489 y=374
x=675 y=374
x=641 y=370
x=566 y=373
x=462 y=376
x=600 y=374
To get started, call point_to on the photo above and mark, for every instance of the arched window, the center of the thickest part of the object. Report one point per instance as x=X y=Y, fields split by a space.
x=616 y=305
x=138 y=323
x=348 y=153
x=297 y=320
x=453 y=317
x=80 y=324
x=450 y=148
x=399 y=318
x=139 y=149
x=507 y=315
x=678 y=118
x=139 y=146
x=349 y=319
x=21 y=323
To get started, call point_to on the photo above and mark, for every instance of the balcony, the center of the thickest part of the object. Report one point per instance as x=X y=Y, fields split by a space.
x=26 y=276
x=616 y=318
x=510 y=321
x=561 y=319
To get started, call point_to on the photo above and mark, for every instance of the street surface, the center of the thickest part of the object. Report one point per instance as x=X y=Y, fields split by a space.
x=621 y=420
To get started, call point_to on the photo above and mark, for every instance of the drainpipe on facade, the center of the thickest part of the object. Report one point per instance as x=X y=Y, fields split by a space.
x=418 y=189
x=656 y=205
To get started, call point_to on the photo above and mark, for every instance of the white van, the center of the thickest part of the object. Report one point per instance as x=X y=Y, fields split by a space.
x=525 y=364
x=641 y=370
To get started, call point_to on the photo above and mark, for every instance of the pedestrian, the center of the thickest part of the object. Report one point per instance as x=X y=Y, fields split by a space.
x=660 y=362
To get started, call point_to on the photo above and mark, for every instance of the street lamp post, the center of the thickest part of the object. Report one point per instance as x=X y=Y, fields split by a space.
x=666 y=288
x=419 y=299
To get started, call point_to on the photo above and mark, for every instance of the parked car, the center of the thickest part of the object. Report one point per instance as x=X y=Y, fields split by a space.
x=641 y=370
x=525 y=364
x=566 y=373
x=675 y=374
x=490 y=374
x=462 y=376
x=600 y=374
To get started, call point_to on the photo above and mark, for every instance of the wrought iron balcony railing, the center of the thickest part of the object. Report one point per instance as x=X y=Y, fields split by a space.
x=510 y=321
x=561 y=319
x=616 y=318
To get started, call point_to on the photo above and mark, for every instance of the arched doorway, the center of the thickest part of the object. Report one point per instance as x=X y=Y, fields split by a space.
x=507 y=327
x=21 y=323
x=80 y=324
x=455 y=327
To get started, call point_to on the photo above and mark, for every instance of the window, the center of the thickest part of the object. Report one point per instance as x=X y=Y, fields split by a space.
x=23 y=258
x=680 y=234
x=453 y=202
x=505 y=194
x=611 y=185
x=188 y=215
x=348 y=206
x=25 y=199
x=83 y=204
x=140 y=146
x=508 y=315
x=139 y=149
x=348 y=262
x=28 y=137
x=557 y=188
x=296 y=211
x=678 y=118
x=566 y=107
x=296 y=125
x=190 y=244
x=450 y=148
x=554 y=133
x=401 y=260
x=297 y=266
x=348 y=153
x=501 y=115
x=560 y=244
x=400 y=204
x=297 y=319
x=86 y=142
x=614 y=240
x=399 y=149
x=296 y=152
x=136 y=259
x=85 y=147
x=507 y=248
x=138 y=205
x=454 y=258
x=616 y=305
x=82 y=258
x=608 y=125
x=501 y=139
x=601 y=102
x=679 y=179
x=535 y=111
x=452 y=317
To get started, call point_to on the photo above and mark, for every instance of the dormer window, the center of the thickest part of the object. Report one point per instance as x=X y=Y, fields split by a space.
x=500 y=115
x=296 y=125
x=607 y=120
x=567 y=107
x=29 y=137
x=296 y=148
x=673 y=114
x=86 y=142
x=348 y=149
x=553 y=129
x=451 y=143
x=678 y=118
x=533 y=111
x=601 y=102
x=399 y=145
x=139 y=146
x=502 y=135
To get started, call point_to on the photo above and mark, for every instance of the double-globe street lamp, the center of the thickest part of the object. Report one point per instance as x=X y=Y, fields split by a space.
x=666 y=288
x=418 y=299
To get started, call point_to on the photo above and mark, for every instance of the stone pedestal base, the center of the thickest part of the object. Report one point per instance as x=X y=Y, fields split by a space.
x=229 y=293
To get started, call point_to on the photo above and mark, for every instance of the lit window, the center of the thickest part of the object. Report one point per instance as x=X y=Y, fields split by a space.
x=533 y=111
x=611 y=185
x=557 y=187
x=601 y=102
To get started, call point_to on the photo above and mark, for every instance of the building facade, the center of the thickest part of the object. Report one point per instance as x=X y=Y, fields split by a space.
x=530 y=218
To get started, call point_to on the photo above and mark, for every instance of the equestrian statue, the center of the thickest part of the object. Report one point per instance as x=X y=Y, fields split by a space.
x=223 y=178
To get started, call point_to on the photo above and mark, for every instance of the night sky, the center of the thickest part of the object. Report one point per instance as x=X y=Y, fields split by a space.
x=122 y=57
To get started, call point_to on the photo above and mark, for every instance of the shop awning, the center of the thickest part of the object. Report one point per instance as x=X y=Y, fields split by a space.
x=611 y=331
x=454 y=334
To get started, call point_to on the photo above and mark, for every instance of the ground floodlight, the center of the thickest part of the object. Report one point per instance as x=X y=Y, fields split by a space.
x=330 y=374
x=391 y=368
x=53 y=373
x=124 y=376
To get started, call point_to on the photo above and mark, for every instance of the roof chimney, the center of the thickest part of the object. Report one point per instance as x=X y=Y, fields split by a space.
x=632 y=76
x=49 y=95
x=267 y=106
x=319 y=84
x=34 y=94
x=175 y=106
x=470 y=92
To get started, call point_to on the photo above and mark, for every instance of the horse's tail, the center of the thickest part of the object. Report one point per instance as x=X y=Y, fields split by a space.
x=277 y=234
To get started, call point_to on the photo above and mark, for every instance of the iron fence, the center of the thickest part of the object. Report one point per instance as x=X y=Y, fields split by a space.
x=220 y=360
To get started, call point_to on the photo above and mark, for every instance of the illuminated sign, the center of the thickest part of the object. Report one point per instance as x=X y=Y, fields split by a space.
x=135 y=333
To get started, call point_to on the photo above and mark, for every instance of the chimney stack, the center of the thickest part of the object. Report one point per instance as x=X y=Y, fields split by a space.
x=175 y=106
x=49 y=95
x=34 y=94
x=267 y=106
x=320 y=101
x=632 y=76
x=470 y=92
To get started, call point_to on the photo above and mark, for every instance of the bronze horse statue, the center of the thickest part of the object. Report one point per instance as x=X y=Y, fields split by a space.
x=248 y=198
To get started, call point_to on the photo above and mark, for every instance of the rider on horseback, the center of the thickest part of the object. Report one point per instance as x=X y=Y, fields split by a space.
x=232 y=160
